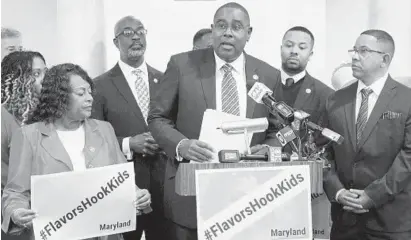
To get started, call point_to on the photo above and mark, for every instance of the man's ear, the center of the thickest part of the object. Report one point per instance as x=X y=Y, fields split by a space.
x=115 y=41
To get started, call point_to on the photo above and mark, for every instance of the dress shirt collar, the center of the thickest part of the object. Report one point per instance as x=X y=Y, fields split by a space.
x=238 y=64
x=376 y=87
x=127 y=69
x=296 y=77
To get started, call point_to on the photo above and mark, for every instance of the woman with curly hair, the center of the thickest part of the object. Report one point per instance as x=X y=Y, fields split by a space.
x=61 y=138
x=21 y=77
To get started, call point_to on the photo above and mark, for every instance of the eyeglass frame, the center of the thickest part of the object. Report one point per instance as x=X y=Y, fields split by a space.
x=134 y=32
x=364 y=50
x=243 y=28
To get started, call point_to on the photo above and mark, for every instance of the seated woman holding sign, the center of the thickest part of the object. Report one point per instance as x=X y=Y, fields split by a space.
x=61 y=139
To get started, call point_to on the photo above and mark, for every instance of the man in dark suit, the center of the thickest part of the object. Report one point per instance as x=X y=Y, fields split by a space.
x=370 y=183
x=122 y=98
x=199 y=80
x=202 y=39
x=299 y=89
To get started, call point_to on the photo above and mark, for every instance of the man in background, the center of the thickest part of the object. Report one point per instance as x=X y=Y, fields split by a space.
x=203 y=39
x=370 y=184
x=213 y=78
x=11 y=41
x=122 y=98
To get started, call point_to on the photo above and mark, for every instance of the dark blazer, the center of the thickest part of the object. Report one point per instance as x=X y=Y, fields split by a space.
x=37 y=150
x=114 y=102
x=8 y=125
x=188 y=89
x=380 y=165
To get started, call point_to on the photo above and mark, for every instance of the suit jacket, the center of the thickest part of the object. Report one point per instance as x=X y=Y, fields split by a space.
x=37 y=150
x=187 y=90
x=380 y=164
x=8 y=126
x=114 y=102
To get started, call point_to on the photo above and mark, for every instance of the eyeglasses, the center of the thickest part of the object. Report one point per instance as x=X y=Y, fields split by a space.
x=363 y=51
x=222 y=26
x=130 y=32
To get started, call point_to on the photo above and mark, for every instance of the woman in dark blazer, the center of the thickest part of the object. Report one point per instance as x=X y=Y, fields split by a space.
x=61 y=138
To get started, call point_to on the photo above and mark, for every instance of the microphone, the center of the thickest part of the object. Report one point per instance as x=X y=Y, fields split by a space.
x=285 y=135
x=251 y=125
x=234 y=156
x=262 y=94
x=327 y=133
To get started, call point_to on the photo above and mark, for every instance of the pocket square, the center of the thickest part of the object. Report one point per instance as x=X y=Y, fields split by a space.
x=389 y=115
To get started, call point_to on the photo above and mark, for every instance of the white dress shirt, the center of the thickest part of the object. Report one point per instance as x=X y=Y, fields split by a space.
x=238 y=73
x=73 y=142
x=296 y=77
x=239 y=76
x=131 y=80
x=376 y=88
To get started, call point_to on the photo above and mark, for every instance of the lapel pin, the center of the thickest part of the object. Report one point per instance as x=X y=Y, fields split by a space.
x=91 y=149
x=308 y=90
x=255 y=77
x=155 y=80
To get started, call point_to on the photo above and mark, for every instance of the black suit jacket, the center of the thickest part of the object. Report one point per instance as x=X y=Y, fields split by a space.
x=188 y=89
x=114 y=102
x=380 y=164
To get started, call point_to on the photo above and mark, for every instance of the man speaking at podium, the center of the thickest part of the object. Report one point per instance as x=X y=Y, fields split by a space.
x=215 y=78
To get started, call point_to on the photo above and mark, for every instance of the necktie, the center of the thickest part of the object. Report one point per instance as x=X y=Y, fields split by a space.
x=363 y=113
x=143 y=96
x=289 y=82
x=229 y=92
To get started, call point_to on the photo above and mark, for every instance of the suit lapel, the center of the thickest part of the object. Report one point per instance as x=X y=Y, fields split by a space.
x=52 y=144
x=387 y=93
x=93 y=141
x=251 y=77
x=151 y=79
x=122 y=86
x=207 y=78
x=304 y=97
x=349 y=109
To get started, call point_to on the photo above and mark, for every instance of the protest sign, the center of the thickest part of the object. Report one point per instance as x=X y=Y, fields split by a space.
x=84 y=204
x=254 y=203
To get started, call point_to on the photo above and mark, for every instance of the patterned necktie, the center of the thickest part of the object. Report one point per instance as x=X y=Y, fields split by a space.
x=229 y=92
x=289 y=82
x=143 y=96
x=363 y=113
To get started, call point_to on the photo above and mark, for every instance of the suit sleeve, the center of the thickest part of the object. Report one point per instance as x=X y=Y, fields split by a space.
x=17 y=191
x=99 y=109
x=331 y=181
x=398 y=176
x=163 y=111
x=115 y=147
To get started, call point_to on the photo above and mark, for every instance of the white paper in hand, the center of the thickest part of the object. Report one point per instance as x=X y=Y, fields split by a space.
x=210 y=133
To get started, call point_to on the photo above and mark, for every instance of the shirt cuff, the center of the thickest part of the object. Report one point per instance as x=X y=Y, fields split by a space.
x=178 y=157
x=126 y=148
x=338 y=194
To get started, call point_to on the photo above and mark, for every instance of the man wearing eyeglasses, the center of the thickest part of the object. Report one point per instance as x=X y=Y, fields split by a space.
x=122 y=98
x=213 y=78
x=370 y=184
x=11 y=41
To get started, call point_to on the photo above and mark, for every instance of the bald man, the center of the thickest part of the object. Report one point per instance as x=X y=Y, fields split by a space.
x=370 y=184
x=122 y=98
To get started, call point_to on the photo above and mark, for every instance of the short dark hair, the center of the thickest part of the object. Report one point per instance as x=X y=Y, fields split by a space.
x=381 y=36
x=54 y=98
x=301 y=29
x=236 y=6
x=200 y=33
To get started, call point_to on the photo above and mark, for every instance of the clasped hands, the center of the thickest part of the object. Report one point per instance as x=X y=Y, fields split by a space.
x=354 y=200
x=198 y=151
x=143 y=201
x=144 y=144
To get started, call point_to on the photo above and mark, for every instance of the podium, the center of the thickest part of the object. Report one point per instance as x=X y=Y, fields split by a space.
x=185 y=177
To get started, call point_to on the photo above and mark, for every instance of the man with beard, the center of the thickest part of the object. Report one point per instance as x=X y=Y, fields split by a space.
x=212 y=78
x=122 y=98
x=299 y=89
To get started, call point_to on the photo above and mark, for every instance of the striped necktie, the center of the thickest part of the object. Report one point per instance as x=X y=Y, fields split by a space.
x=143 y=95
x=229 y=92
x=363 y=113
